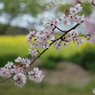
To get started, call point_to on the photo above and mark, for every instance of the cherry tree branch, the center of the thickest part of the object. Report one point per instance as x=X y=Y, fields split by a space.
x=47 y=48
x=5 y=79
x=55 y=41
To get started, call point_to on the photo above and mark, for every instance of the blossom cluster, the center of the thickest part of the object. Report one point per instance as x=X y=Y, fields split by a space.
x=44 y=38
x=16 y=72
x=73 y=17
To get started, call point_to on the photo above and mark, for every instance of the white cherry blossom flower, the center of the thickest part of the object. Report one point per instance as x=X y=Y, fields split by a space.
x=20 y=79
x=36 y=75
x=78 y=7
x=30 y=35
x=33 y=52
x=4 y=72
x=18 y=59
x=64 y=19
x=9 y=65
x=73 y=11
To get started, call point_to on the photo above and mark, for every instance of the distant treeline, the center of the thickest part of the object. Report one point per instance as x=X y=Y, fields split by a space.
x=12 y=30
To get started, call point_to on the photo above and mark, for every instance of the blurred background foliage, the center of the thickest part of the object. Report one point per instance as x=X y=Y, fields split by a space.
x=15 y=10
x=12 y=10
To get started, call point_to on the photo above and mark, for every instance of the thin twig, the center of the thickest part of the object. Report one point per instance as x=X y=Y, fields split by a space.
x=5 y=80
x=59 y=29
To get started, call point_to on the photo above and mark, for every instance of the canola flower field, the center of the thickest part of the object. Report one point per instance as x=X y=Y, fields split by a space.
x=15 y=46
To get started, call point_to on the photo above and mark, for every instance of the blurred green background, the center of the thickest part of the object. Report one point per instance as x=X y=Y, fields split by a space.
x=17 y=17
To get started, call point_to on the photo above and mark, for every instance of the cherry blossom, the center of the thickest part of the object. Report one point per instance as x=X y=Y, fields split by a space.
x=30 y=35
x=9 y=65
x=24 y=62
x=78 y=7
x=20 y=79
x=16 y=72
x=36 y=75
x=64 y=19
x=33 y=52
x=4 y=72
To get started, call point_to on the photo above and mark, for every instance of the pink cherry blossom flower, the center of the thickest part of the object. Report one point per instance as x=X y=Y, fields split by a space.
x=30 y=35
x=25 y=62
x=73 y=33
x=33 y=52
x=64 y=19
x=18 y=59
x=73 y=11
x=9 y=65
x=36 y=75
x=77 y=8
x=4 y=72
x=20 y=79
